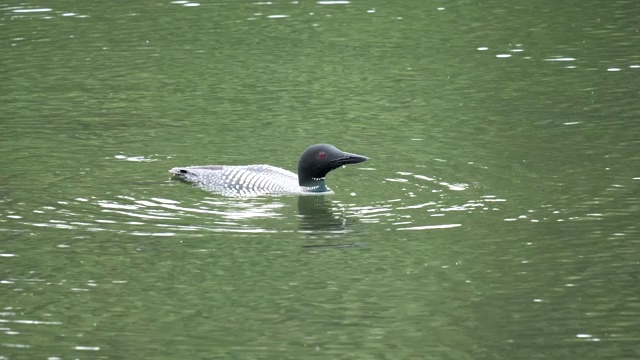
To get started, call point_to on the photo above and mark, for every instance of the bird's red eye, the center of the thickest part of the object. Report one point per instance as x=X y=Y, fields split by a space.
x=322 y=155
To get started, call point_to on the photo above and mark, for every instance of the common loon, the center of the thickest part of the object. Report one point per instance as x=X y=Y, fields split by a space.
x=253 y=180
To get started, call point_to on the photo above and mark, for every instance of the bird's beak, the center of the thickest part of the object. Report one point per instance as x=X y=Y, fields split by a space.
x=348 y=158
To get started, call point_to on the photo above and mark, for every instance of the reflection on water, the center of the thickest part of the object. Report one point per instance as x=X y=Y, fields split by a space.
x=317 y=215
x=424 y=205
x=18 y=12
x=142 y=215
x=327 y=223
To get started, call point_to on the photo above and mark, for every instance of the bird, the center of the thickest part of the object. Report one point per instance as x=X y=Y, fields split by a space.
x=315 y=163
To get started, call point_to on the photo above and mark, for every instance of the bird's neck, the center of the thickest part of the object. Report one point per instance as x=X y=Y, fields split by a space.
x=314 y=184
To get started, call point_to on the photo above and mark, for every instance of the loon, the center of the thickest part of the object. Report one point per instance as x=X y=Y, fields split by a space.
x=254 y=180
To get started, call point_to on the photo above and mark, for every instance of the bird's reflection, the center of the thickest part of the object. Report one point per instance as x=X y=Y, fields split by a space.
x=318 y=219
x=316 y=214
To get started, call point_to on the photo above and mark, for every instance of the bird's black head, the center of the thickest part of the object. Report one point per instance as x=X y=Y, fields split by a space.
x=317 y=160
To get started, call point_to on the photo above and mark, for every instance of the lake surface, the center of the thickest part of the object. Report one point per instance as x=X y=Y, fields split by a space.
x=498 y=217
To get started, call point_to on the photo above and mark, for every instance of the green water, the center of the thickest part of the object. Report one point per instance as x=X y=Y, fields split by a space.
x=497 y=218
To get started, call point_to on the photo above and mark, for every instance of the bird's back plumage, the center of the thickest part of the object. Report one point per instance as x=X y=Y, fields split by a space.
x=249 y=180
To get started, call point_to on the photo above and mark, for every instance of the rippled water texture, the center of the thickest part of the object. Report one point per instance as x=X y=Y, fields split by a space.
x=497 y=217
